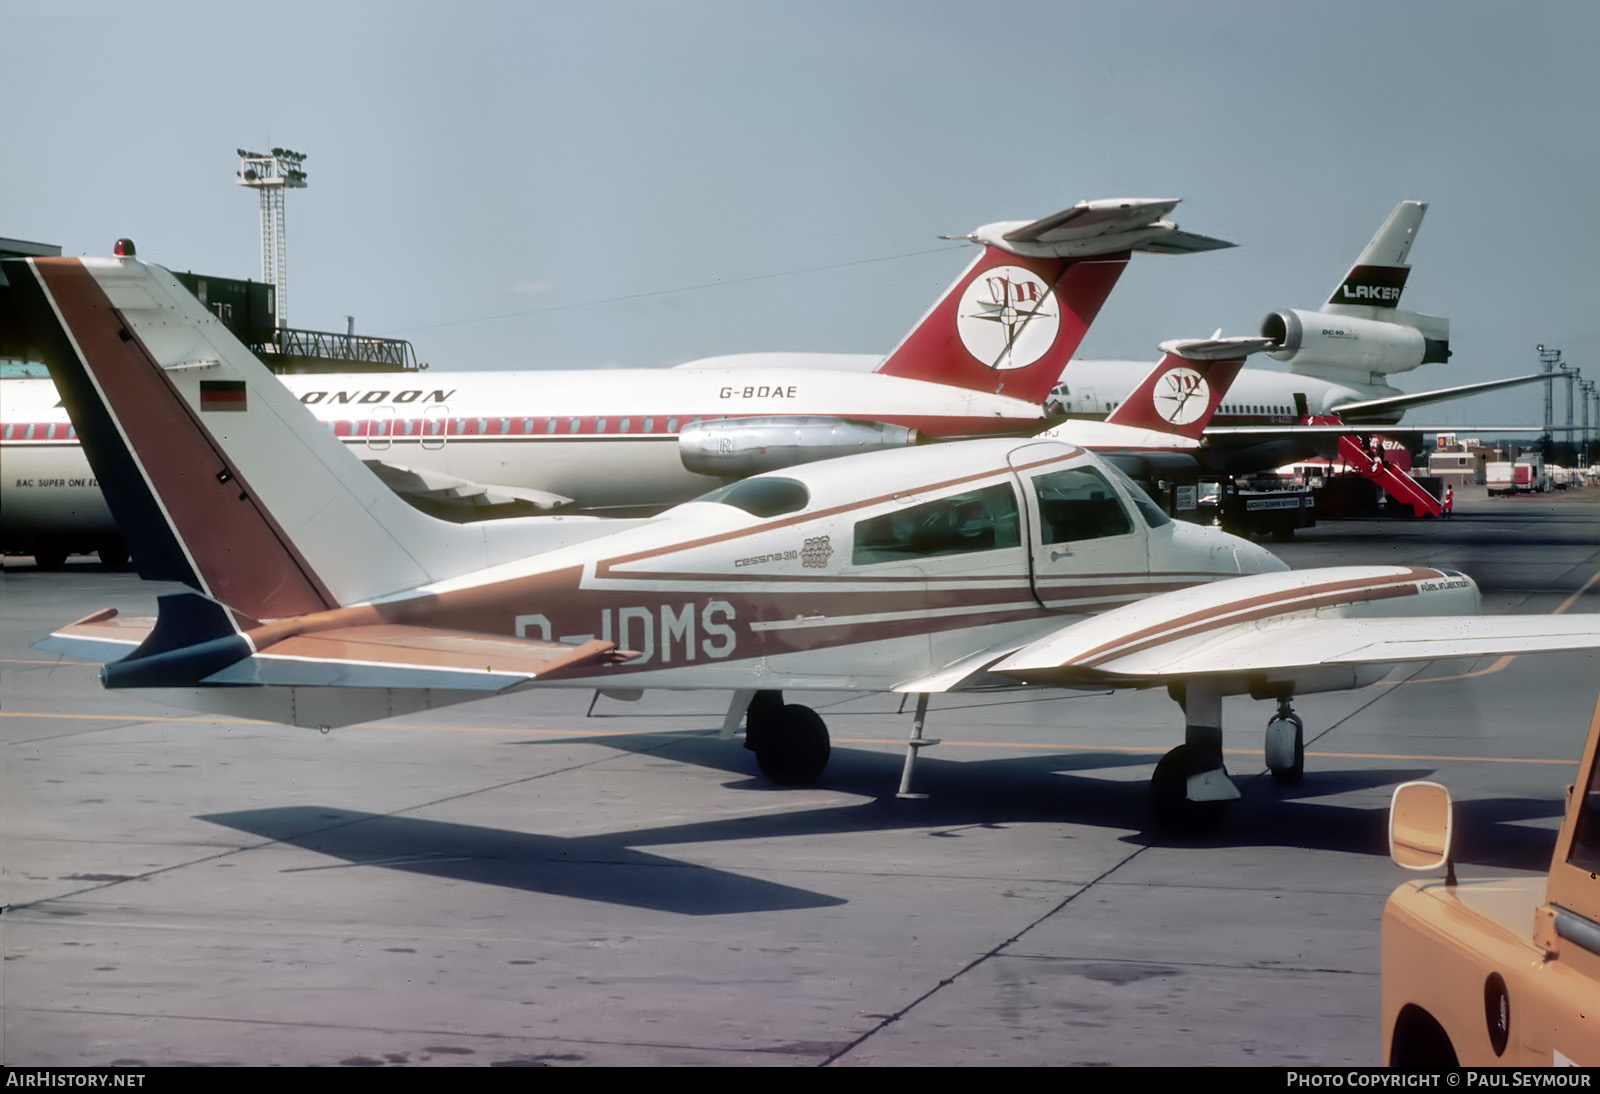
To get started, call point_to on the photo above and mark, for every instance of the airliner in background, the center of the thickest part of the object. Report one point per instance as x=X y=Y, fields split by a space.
x=989 y=358
x=980 y=362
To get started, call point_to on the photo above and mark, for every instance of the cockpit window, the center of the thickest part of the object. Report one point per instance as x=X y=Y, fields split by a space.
x=762 y=497
x=979 y=520
x=1078 y=504
x=1152 y=513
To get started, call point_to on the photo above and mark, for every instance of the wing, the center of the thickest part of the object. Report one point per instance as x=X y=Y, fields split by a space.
x=1305 y=630
x=1370 y=408
x=440 y=491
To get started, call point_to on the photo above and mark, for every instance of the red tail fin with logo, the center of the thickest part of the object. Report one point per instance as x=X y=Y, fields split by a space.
x=1015 y=317
x=1183 y=391
x=1009 y=325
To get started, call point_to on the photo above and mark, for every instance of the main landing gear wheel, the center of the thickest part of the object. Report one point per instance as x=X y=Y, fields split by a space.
x=790 y=742
x=1286 y=746
x=1173 y=811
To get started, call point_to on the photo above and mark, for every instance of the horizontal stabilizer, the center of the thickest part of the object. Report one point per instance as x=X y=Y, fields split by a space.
x=103 y=636
x=396 y=656
x=380 y=656
x=1089 y=228
x=1216 y=348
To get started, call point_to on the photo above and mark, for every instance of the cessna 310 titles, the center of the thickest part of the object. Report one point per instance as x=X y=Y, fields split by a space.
x=321 y=599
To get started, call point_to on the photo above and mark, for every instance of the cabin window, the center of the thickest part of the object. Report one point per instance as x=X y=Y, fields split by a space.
x=672 y=425
x=1078 y=504
x=762 y=497
x=649 y=425
x=549 y=425
x=572 y=426
x=527 y=426
x=505 y=425
x=622 y=426
x=599 y=425
x=978 y=520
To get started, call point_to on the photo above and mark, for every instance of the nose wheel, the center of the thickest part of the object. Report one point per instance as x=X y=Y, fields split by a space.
x=1286 y=745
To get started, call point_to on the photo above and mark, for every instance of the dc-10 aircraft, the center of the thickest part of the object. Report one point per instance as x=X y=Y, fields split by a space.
x=321 y=599
x=979 y=363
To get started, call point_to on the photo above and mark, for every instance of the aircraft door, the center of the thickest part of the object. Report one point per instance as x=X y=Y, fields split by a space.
x=1087 y=547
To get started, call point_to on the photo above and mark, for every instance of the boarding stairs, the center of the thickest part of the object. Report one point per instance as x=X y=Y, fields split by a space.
x=1390 y=479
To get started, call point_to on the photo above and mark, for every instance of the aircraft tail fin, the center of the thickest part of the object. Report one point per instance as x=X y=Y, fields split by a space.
x=1375 y=282
x=1181 y=394
x=215 y=472
x=1013 y=319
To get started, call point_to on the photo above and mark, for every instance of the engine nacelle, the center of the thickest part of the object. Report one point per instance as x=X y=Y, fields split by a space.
x=1309 y=338
x=735 y=447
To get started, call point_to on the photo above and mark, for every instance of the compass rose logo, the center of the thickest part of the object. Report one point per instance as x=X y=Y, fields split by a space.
x=1181 y=396
x=1008 y=317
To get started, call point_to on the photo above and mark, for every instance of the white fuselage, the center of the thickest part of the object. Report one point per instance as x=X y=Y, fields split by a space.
x=607 y=439
x=1256 y=396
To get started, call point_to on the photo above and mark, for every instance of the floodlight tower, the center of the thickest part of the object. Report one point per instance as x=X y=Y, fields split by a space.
x=271 y=175
x=1549 y=359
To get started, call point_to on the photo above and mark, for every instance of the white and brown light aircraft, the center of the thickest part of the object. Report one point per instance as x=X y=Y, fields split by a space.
x=322 y=599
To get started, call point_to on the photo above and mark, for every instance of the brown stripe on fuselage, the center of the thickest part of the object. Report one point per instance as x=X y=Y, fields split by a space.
x=242 y=556
x=1255 y=608
x=577 y=613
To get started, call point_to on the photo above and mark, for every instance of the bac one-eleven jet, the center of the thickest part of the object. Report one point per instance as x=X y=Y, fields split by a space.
x=320 y=598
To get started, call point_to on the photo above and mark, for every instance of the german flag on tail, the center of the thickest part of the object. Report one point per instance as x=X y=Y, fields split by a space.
x=222 y=395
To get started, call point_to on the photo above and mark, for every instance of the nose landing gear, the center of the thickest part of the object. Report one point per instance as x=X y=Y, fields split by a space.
x=1286 y=745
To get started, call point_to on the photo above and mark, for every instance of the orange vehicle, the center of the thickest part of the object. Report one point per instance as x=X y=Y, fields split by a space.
x=1496 y=972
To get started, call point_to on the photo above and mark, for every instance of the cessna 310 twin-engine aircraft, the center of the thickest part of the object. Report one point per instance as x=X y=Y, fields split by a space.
x=322 y=599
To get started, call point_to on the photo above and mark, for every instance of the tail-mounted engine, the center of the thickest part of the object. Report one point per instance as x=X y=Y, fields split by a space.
x=1308 y=339
x=735 y=447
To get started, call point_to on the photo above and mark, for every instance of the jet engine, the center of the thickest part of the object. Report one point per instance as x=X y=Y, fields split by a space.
x=735 y=447
x=1309 y=338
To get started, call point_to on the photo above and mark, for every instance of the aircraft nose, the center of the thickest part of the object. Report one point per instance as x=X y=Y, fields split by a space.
x=1252 y=558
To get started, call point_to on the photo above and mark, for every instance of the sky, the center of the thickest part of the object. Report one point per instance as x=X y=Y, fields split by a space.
x=630 y=184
